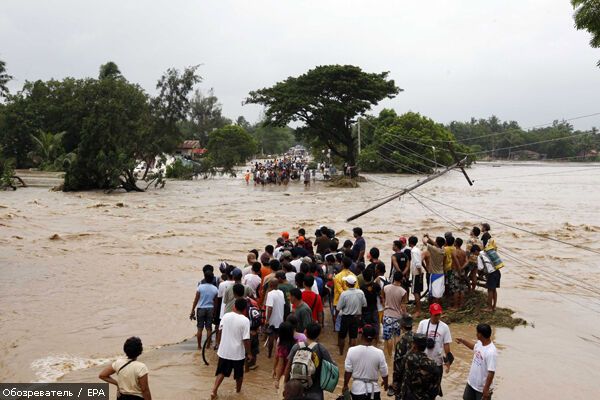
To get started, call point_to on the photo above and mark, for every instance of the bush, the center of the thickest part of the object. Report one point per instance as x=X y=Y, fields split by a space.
x=179 y=170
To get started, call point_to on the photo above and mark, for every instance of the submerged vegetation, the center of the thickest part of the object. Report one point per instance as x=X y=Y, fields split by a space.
x=472 y=313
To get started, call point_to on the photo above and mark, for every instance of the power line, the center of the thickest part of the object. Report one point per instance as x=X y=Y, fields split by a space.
x=540 y=174
x=514 y=227
x=516 y=256
x=529 y=144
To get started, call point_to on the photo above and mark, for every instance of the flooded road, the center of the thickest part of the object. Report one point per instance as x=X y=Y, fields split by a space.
x=80 y=272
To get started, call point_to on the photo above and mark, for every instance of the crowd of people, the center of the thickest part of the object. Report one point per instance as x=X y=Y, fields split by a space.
x=282 y=293
x=280 y=171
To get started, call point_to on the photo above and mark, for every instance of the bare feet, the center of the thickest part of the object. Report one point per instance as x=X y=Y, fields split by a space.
x=487 y=309
x=213 y=396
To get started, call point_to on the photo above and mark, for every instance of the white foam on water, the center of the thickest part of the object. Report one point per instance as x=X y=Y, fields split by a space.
x=51 y=368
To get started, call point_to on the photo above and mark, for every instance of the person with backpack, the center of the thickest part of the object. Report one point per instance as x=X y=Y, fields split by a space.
x=311 y=364
x=132 y=375
x=493 y=275
x=364 y=364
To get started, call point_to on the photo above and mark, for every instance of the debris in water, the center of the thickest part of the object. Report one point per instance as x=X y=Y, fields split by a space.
x=56 y=236
x=120 y=205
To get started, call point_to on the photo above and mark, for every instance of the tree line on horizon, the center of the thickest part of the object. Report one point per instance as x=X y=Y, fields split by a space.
x=98 y=129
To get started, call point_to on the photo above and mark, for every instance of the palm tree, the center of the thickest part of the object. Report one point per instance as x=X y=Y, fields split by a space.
x=4 y=78
x=49 y=150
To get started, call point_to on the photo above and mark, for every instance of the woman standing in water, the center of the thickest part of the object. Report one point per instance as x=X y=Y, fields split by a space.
x=132 y=375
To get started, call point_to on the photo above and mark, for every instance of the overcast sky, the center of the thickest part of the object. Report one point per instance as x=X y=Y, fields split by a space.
x=518 y=59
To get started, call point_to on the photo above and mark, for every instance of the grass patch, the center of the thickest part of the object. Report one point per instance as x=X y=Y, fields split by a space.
x=472 y=312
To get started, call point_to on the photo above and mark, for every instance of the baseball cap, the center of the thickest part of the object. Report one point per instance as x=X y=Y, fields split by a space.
x=402 y=239
x=300 y=239
x=369 y=332
x=351 y=279
x=435 y=309
x=286 y=254
x=285 y=235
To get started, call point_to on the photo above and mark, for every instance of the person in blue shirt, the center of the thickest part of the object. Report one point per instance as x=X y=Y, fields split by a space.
x=203 y=306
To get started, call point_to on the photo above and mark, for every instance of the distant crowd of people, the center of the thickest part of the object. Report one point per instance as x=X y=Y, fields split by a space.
x=279 y=171
x=283 y=292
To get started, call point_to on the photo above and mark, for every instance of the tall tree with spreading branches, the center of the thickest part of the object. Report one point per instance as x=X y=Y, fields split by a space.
x=326 y=100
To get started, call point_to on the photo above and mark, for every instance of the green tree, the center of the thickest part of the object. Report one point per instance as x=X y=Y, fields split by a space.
x=4 y=79
x=168 y=110
x=49 y=152
x=229 y=146
x=273 y=139
x=205 y=116
x=114 y=124
x=587 y=16
x=408 y=143
x=109 y=70
x=326 y=100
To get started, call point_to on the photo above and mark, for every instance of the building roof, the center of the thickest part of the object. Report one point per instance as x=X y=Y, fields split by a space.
x=190 y=144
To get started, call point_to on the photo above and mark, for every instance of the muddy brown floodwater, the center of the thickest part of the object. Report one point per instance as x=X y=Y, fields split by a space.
x=80 y=272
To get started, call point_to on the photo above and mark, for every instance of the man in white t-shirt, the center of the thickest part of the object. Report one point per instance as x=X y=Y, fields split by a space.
x=219 y=303
x=234 y=347
x=364 y=364
x=253 y=279
x=483 y=367
x=274 y=305
x=438 y=340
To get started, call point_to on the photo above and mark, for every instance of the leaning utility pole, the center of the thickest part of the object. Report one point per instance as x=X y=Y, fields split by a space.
x=458 y=164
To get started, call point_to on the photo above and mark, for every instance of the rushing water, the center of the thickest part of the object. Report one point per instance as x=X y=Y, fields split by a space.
x=80 y=272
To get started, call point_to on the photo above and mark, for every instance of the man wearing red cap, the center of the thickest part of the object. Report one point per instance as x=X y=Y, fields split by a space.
x=438 y=339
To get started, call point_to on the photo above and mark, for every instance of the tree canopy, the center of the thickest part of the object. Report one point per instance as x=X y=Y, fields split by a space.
x=587 y=16
x=326 y=100
x=409 y=143
x=229 y=146
x=4 y=79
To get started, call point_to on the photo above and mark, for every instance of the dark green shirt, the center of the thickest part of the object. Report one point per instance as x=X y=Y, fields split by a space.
x=304 y=315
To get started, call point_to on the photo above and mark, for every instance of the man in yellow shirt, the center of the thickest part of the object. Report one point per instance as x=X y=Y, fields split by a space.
x=340 y=285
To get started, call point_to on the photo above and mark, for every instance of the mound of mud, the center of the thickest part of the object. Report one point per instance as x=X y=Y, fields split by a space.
x=472 y=313
x=341 y=181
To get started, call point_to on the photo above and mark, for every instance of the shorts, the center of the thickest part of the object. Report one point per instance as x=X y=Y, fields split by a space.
x=417 y=284
x=371 y=318
x=493 y=280
x=406 y=284
x=225 y=367
x=456 y=283
x=472 y=394
x=470 y=267
x=204 y=317
x=282 y=352
x=391 y=327
x=448 y=277
x=349 y=326
x=376 y=396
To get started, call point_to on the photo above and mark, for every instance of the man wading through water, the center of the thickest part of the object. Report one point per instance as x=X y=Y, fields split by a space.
x=234 y=347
